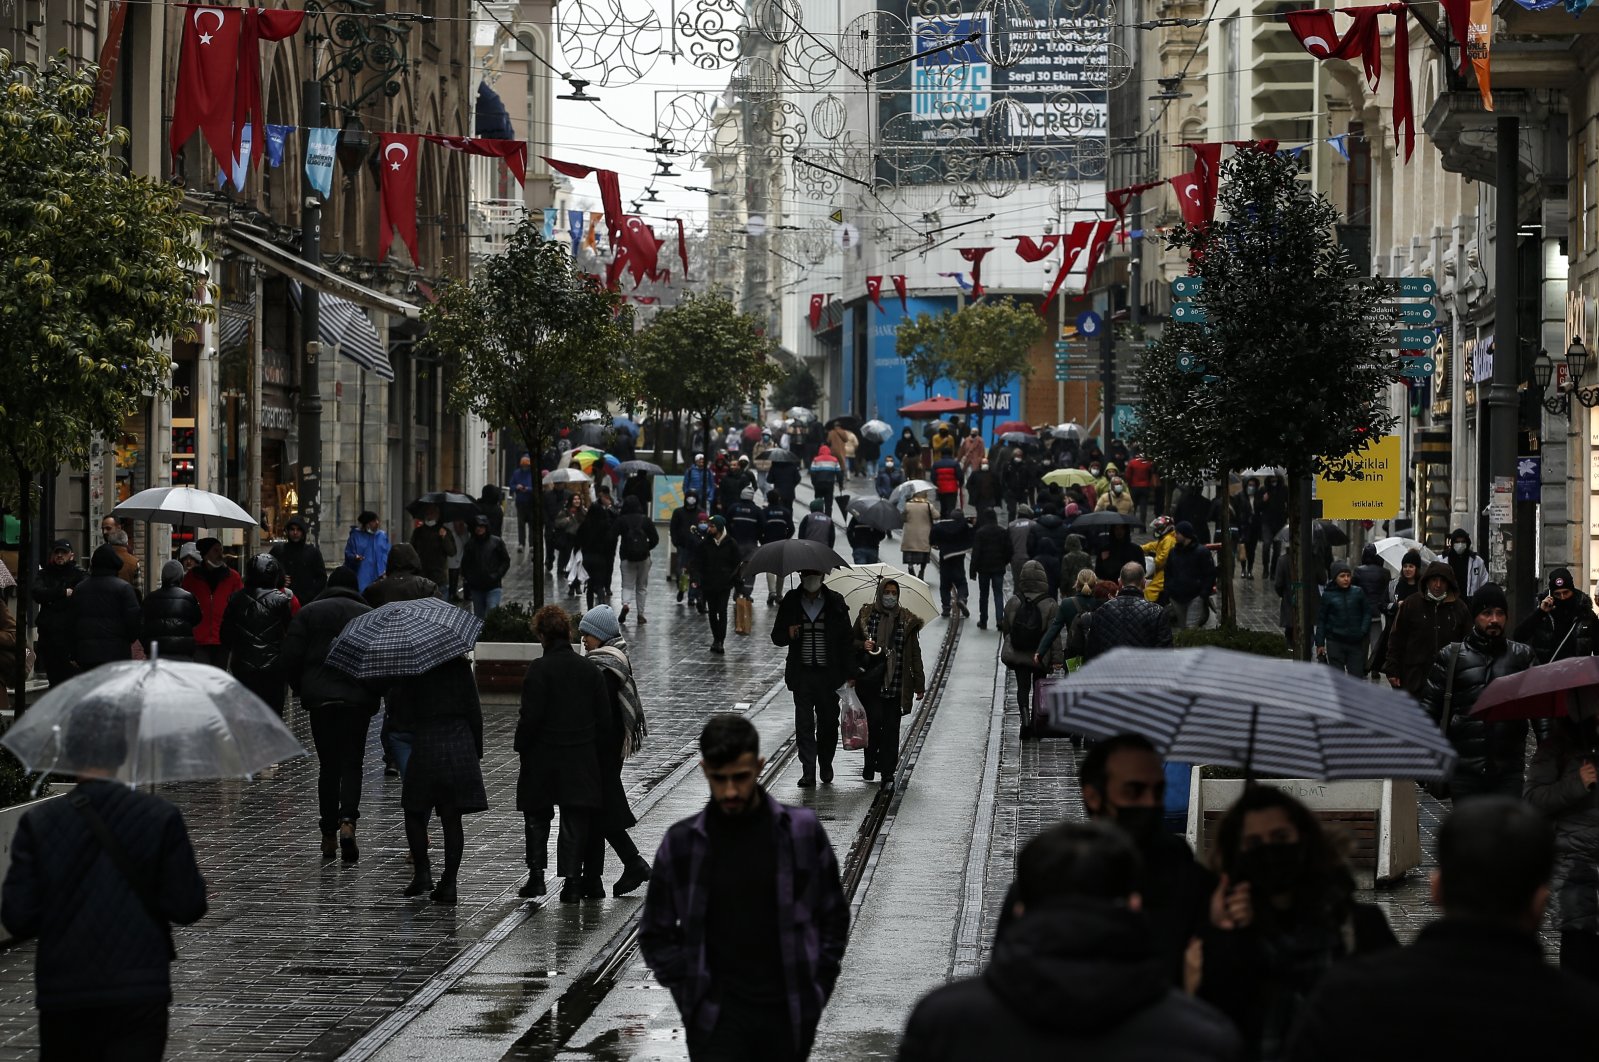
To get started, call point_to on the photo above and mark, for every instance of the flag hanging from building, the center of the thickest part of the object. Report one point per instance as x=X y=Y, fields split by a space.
x=219 y=75
x=236 y=172
x=514 y=152
x=550 y=214
x=320 y=148
x=974 y=255
x=574 y=224
x=277 y=136
x=397 y=204
x=1031 y=250
x=874 y=291
x=899 y=289
x=682 y=248
x=817 y=302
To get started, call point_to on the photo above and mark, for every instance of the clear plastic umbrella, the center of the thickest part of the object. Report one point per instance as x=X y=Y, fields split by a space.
x=568 y=475
x=1392 y=552
x=156 y=721
x=877 y=429
x=903 y=492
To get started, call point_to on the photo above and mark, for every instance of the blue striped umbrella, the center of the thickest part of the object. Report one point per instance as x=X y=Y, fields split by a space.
x=1275 y=718
x=404 y=638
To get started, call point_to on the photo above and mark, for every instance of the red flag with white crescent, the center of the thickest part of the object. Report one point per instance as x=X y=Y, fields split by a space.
x=1315 y=31
x=1096 y=247
x=208 y=78
x=1189 y=197
x=1076 y=241
x=259 y=25
x=974 y=255
x=514 y=152
x=817 y=302
x=397 y=205
x=1207 y=176
x=874 y=291
x=899 y=289
x=1031 y=250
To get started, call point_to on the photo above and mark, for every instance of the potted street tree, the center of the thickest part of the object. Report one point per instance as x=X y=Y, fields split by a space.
x=504 y=649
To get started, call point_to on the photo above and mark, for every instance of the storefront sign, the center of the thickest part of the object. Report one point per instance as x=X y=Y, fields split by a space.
x=276 y=418
x=1374 y=496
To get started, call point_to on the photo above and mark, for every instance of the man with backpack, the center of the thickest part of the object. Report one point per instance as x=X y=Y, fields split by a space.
x=777 y=524
x=637 y=538
x=1028 y=614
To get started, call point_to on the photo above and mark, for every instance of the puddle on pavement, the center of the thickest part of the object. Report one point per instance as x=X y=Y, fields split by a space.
x=515 y=996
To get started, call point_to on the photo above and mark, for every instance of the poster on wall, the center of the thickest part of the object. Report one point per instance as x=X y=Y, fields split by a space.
x=1374 y=496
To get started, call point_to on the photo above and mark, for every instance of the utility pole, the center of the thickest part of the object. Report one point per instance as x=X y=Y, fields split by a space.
x=1502 y=407
x=310 y=463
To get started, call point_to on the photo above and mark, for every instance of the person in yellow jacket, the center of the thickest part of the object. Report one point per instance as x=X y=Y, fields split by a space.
x=1102 y=479
x=1160 y=548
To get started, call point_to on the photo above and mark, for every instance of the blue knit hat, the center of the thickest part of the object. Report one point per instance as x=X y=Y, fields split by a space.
x=600 y=622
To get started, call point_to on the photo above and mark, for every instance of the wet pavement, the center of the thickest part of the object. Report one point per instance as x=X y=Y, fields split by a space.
x=300 y=958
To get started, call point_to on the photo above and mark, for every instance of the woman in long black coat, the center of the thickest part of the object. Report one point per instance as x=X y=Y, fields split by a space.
x=441 y=712
x=564 y=707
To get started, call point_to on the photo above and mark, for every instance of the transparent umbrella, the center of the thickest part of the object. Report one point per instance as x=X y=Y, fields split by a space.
x=178 y=721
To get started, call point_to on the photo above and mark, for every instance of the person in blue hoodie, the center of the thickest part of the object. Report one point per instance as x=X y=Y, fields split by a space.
x=1343 y=625
x=700 y=481
x=366 y=551
x=522 y=494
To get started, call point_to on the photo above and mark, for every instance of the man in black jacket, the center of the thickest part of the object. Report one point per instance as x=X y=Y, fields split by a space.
x=744 y=524
x=253 y=627
x=1126 y=619
x=1563 y=625
x=952 y=537
x=101 y=975
x=991 y=557
x=1492 y=755
x=403 y=580
x=1075 y=975
x=1474 y=985
x=636 y=539
x=777 y=524
x=170 y=616
x=814 y=624
x=53 y=593
x=106 y=613
x=434 y=546
x=720 y=561
x=684 y=543
x=596 y=538
x=302 y=561
x=484 y=562
x=340 y=707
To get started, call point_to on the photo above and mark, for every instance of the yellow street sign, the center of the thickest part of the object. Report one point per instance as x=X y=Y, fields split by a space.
x=837 y=216
x=1375 y=496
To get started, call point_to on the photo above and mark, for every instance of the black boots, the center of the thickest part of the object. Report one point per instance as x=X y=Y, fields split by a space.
x=347 y=847
x=421 y=881
x=634 y=874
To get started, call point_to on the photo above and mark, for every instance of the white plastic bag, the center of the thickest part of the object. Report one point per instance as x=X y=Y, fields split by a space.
x=852 y=719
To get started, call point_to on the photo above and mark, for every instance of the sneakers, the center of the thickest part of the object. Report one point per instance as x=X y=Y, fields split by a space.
x=635 y=874
x=533 y=886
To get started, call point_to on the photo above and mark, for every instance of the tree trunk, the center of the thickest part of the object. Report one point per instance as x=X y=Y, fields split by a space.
x=707 y=448
x=1301 y=568
x=1229 y=608
x=531 y=441
x=24 y=582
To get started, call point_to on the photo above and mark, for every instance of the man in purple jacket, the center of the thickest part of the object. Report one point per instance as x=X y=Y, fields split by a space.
x=745 y=921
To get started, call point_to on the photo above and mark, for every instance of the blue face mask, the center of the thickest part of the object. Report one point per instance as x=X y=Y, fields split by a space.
x=705 y=527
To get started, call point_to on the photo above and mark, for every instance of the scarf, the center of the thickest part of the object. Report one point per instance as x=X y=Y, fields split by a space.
x=884 y=627
x=612 y=657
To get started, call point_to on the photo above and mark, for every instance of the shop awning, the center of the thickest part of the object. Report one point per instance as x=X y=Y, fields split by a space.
x=343 y=322
x=282 y=260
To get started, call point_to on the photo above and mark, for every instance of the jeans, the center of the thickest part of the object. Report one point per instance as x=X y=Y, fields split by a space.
x=131 y=1032
x=991 y=584
x=576 y=826
x=1191 y=613
x=815 y=719
x=636 y=577
x=396 y=743
x=484 y=600
x=1348 y=657
x=716 y=611
x=339 y=734
x=864 y=556
x=952 y=579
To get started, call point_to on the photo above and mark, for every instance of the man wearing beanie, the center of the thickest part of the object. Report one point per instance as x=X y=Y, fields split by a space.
x=1492 y=754
x=1343 y=622
x=1563 y=625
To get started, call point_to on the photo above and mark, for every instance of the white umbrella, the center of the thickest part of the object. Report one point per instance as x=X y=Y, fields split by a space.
x=858 y=585
x=878 y=430
x=590 y=416
x=903 y=492
x=1262 y=473
x=1393 y=550
x=1069 y=430
x=179 y=721
x=568 y=475
x=188 y=506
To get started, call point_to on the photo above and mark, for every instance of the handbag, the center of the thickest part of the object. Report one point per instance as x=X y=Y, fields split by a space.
x=743 y=615
x=1044 y=684
x=1439 y=790
x=852 y=719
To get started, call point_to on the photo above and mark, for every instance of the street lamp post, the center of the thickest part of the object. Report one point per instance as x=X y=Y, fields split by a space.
x=1543 y=371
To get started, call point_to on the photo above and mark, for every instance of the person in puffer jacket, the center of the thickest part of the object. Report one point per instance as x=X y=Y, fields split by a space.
x=1561 y=783
x=1491 y=753
x=170 y=616
x=253 y=628
x=1343 y=623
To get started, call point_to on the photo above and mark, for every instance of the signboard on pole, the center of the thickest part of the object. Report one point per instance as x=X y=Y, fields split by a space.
x=1376 y=495
x=1501 y=504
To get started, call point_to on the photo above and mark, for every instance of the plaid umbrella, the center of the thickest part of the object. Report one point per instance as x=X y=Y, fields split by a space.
x=1277 y=718
x=404 y=638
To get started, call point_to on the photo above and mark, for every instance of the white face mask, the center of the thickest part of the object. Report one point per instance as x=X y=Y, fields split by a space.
x=811 y=583
x=1459 y=547
x=1438 y=596
x=1118 y=488
x=431 y=523
x=891 y=601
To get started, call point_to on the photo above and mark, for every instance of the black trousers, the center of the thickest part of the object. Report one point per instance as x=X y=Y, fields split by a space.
x=1024 y=692
x=594 y=851
x=339 y=734
x=716 y=612
x=882 y=734
x=572 y=847
x=134 y=1032
x=524 y=524
x=1579 y=953
x=815 y=718
x=746 y=1031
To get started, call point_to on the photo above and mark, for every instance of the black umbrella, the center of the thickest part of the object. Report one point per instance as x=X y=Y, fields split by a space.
x=628 y=468
x=877 y=512
x=1019 y=438
x=778 y=456
x=1327 y=532
x=1106 y=519
x=792 y=555
x=452 y=506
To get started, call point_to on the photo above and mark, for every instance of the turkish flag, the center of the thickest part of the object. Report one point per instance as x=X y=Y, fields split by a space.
x=514 y=152
x=1207 y=173
x=643 y=248
x=817 y=302
x=397 y=204
x=1076 y=240
x=1119 y=198
x=1096 y=247
x=974 y=255
x=208 y=77
x=1189 y=197
x=874 y=291
x=1030 y=250
x=899 y=288
x=1315 y=31
x=258 y=26
x=610 y=190
x=682 y=248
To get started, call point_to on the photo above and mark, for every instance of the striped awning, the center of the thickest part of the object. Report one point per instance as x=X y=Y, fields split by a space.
x=342 y=322
x=1277 y=718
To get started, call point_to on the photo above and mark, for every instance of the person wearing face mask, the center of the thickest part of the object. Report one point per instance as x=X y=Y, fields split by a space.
x=1491 y=754
x=680 y=532
x=1247 y=512
x=889 y=652
x=1116 y=499
x=366 y=550
x=1343 y=623
x=1426 y=622
x=1284 y=915
x=434 y=547
x=890 y=477
x=1017 y=480
x=1562 y=779
x=212 y=583
x=1124 y=784
x=813 y=624
x=1471 y=572
x=720 y=561
x=1563 y=625
x=982 y=488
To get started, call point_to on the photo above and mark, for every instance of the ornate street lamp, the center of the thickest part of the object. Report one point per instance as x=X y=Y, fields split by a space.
x=1543 y=370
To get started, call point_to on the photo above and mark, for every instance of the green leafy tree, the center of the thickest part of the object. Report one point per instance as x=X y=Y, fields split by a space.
x=991 y=343
x=98 y=267
x=798 y=388
x=926 y=344
x=703 y=355
x=1290 y=365
x=532 y=342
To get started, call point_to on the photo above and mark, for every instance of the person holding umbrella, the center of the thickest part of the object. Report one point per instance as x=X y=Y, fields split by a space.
x=813 y=624
x=301 y=561
x=434 y=546
x=889 y=651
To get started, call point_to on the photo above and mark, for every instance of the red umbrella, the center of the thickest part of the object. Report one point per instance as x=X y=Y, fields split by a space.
x=1014 y=425
x=1565 y=687
x=934 y=407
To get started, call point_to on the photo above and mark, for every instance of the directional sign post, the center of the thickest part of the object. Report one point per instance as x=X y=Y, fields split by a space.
x=1417 y=368
x=1417 y=339
x=1186 y=287
x=1421 y=313
x=1187 y=313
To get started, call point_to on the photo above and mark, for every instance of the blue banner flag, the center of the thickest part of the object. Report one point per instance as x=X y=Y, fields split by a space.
x=319 y=154
x=550 y=214
x=575 y=223
x=276 y=136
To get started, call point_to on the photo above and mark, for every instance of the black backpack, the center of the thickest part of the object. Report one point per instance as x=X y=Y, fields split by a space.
x=1027 y=627
x=635 y=542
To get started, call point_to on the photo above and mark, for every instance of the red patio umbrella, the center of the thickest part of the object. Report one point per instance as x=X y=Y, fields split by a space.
x=936 y=407
x=1565 y=687
x=1014 y=425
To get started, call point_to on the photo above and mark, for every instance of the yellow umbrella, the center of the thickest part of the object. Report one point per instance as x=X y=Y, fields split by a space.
x=1068 y=477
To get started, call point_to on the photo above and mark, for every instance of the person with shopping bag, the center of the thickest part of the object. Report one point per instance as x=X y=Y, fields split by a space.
x=890 y=677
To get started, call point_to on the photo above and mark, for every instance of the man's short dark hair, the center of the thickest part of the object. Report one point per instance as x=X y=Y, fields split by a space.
x=1133 y=573
x=1077 y=859
x=1095 y=768
x=727 y=737
x=1494 y=853
x=96 y=735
